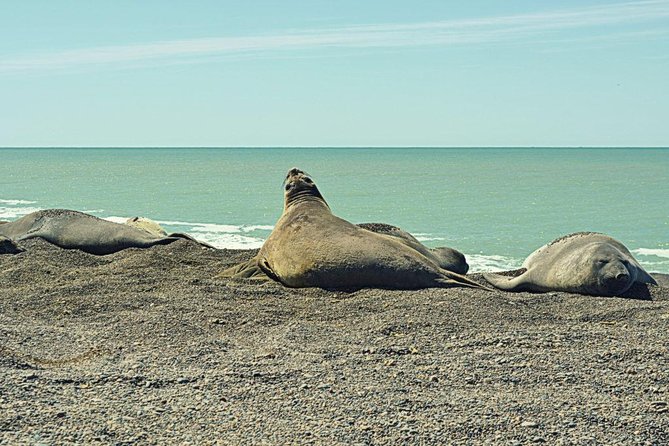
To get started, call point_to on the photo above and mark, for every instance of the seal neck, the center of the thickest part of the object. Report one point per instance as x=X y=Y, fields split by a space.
x=304 y=196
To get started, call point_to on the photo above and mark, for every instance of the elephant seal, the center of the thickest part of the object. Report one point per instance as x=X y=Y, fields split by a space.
x=446 y=258
x=583 y=262
x=311 y=247
x=76 y=230
x=7 y=246
x=146 y=224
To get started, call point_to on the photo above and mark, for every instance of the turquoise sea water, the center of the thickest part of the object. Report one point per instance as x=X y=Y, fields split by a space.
x=495 y=205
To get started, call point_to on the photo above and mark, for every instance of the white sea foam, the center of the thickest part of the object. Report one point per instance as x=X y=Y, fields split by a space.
x=664 y=253
x=16 y=212
x=427 y=238
x=16 y=202
x=491 y=263
x=12 y=209
x=230 y=241
x=257 y=228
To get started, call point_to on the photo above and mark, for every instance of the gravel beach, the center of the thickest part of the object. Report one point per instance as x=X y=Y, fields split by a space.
x=147 y=347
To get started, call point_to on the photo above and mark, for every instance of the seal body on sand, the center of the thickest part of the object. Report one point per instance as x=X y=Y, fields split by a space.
x=445 y=257
x=7 y=246
x=311 y=247
x=583 y=262
x=76 y=230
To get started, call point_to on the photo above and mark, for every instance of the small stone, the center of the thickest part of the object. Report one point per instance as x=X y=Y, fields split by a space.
x=529 y=424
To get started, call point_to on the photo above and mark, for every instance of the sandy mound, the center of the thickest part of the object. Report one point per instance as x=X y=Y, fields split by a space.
x=146 y=346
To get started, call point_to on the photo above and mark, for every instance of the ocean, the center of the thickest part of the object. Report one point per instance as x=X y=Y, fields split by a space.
x=494 y=205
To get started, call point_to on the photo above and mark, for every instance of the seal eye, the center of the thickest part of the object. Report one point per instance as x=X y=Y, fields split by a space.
x=288 y=186
x=308 y=180
x=601 y=262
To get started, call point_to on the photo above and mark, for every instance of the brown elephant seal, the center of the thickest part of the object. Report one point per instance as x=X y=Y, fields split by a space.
x=76 y=230
x=311 y=247
x=146 y=224
x=7 y=246
x=583 y=262
x=445 y=257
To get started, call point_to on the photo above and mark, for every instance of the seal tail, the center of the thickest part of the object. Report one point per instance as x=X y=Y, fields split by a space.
x=452 y=279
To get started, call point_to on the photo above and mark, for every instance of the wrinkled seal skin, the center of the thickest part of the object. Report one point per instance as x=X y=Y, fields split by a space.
x=445 y=257
x=311 y=247
x=76 y=230
x=583 y=262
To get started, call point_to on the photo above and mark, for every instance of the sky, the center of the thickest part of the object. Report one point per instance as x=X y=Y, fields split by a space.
x=322 y=73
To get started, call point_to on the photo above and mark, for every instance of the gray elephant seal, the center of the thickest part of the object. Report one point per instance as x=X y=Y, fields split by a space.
x=445 y=257
x=583 y=262
x=7 y=246
x=311 y=247
x=76 y=230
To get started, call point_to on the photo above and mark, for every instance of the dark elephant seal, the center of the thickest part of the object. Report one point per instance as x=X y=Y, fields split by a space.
x=447 y=258
x=311 y=247
x=76 y=230
x=7 y=246
x=583 y=262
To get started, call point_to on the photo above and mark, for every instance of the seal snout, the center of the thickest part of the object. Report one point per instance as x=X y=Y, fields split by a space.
x=617 y=281
x=294 y=172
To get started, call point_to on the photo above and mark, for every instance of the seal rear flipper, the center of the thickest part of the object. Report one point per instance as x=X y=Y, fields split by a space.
x=180 y=235
x=507 y=283
x=452 y=279
x=245 y=270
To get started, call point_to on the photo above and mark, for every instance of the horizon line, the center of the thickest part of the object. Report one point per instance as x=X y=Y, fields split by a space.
x=329 y=147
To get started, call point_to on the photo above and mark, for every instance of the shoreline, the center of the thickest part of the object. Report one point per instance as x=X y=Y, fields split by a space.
x=146 y=346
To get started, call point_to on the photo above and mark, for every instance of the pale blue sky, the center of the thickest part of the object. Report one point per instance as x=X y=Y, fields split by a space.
x=334 y=73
